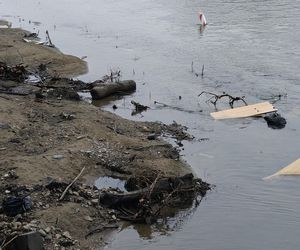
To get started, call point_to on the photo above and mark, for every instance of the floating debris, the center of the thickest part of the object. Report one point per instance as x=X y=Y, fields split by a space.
x=247 y=111
x=292 y=169
x=202 y=18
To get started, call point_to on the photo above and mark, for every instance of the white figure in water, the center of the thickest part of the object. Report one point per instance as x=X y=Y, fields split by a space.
x=202 y=18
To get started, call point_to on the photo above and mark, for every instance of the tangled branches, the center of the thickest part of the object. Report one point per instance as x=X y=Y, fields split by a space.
x=146 y=204
x=114 y=76
x=215 y=98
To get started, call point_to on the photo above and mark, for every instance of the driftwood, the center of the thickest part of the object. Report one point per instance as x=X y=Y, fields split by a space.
x=107 y=89
x=145 y=204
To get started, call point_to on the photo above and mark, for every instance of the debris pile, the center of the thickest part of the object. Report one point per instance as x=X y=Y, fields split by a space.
x=12 y=229
x=19 y=203
x=264 y=109
x=16 y=73
x=146 y=201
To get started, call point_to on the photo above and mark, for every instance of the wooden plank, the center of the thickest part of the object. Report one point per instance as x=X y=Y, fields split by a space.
x=246 y=111
x=292 y=169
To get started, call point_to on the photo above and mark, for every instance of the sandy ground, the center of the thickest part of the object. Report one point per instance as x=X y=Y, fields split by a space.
x=57 y=138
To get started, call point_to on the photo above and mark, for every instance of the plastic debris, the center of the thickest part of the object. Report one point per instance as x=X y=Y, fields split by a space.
x=16 y=205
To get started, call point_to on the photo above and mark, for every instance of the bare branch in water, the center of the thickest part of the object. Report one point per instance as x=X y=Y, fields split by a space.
x=215 y=98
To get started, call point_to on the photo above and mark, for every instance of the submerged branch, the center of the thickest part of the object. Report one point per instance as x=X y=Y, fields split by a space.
x=215 y=98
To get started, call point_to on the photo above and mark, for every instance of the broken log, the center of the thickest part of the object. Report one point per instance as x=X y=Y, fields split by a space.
x=111 y=88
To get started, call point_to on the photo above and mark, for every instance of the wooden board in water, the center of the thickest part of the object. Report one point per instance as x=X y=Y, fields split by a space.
x=246 y=111
x=292 y=169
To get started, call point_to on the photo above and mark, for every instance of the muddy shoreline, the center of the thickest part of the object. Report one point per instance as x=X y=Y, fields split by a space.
x=47 y=142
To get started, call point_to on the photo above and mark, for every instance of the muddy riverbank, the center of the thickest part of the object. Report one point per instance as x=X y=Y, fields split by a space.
x=46 y=142
x=249 y=48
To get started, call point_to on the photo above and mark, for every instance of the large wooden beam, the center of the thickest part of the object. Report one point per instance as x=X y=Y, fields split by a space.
x=246 y=111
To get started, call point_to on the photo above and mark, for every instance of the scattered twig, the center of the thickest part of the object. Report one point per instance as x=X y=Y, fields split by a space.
x=4 y=245
x=49 y=39
x=114 y=76
x=176 y=108
x=202 y=71
x=70 y=185
x=152 y=187
x=166 y=200
x=215 y=98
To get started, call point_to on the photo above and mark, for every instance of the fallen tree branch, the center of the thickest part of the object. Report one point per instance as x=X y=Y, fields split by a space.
x=70 y=185
x=215 y=98
x=166 y=200
x=145 y=204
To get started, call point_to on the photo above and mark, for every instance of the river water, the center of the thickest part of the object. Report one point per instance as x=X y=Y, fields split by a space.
x=249 y=48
